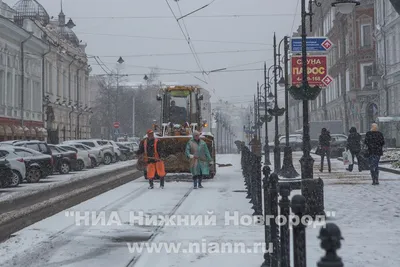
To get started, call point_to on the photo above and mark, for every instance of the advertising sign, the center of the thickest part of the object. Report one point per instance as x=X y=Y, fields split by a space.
x=317 y=71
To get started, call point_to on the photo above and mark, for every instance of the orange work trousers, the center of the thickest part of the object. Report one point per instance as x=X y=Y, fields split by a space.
x=158 y=167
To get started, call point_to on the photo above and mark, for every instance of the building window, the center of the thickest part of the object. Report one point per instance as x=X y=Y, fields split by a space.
x=366 y=73
x=366 y=37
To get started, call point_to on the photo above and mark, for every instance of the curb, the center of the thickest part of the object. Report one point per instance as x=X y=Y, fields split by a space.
x=64 y=198
x=380 y=168
x=57 y=190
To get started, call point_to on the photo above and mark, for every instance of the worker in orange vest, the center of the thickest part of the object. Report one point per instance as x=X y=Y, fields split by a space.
x=151 y=156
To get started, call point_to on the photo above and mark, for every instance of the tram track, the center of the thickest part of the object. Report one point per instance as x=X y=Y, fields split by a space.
x=159 y=228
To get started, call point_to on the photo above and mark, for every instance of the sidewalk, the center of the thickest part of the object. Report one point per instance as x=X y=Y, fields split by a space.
x=367 y=215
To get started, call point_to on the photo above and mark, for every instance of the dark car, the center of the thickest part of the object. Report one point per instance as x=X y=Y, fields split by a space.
x=64 y=161
x=38 y=165
x=338 y=145
x=80 y=164
x=39 y=146
x=6 y=173
x=126 y=152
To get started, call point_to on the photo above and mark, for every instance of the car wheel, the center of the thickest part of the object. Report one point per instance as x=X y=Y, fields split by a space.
x=94 y=162
x=107 y=159
x=15 y=179
x=123 y=157
x=34 y=175
x=80 y=165
x=65 y=168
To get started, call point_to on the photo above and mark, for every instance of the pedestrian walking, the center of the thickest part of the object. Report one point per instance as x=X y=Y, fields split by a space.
x=375 y=141
x=325 y=145
x=354 y=146
x=200 y=159
x=151 y=157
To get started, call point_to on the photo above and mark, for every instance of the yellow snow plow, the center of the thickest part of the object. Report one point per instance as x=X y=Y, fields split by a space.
x=180 y=117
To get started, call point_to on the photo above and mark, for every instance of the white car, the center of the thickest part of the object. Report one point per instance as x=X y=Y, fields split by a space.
x=101 y=146
x=117 y=151
x=94 y=155
x=17 y=164
x=83 y=159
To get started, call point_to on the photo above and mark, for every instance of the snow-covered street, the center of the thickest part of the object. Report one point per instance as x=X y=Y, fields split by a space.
x=368 y=216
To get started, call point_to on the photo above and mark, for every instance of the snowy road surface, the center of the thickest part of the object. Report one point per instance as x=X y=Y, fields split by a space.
x=57 y=179
x=368 y=216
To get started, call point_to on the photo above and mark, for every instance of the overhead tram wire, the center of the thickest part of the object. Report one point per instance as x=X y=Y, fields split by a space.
x=199 y=53
x=104 y=64
x=187 y=40
x=172 y=39
x=204 y=16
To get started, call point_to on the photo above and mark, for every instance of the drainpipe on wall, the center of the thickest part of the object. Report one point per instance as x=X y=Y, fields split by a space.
x=23 y=77
x=77 y=101
x=43 y=82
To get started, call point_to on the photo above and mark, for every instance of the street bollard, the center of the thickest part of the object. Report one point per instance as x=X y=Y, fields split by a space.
x=299 y=233
x=330 y=237
x=284 y=203
x=273 y=202
x=267 y=211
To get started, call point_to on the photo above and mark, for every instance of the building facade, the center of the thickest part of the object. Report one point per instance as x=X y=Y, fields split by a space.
x=353 y=95
x=47 y=72
x=387 y=35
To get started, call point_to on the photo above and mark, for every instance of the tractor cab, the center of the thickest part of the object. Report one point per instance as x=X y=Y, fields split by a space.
x=180 y=110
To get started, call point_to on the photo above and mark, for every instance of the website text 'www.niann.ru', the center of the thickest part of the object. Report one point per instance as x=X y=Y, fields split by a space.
x=200 y=247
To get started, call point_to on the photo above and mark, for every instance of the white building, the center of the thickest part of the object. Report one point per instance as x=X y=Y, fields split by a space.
x=21 y=48
x=387 y=35
x=54 y=94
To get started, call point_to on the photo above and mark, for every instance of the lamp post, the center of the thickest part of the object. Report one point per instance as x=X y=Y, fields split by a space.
x=120 y=61
x=305 y=92
x=276 y=112
x=288 y=170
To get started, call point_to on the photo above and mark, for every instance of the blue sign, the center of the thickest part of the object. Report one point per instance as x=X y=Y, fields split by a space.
x=314 y=44
x=116 y=131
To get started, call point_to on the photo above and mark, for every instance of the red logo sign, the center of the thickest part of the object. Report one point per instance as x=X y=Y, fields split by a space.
x=116 y=125
x=317 y=71
x=327 y=44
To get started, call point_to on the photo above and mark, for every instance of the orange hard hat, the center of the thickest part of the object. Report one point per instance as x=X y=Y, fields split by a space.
x=150 y=131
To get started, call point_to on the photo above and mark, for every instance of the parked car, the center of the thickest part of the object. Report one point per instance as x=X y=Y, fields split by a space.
x=117 y=151
x=126 y=152
x=295 y=142
x=83 y=158
x=37 y=165
x=338 y=144
x=39 y=146
x=63 y=161
x=17 y=164
x=106 y=150
x=6 y=173
x=94 y=154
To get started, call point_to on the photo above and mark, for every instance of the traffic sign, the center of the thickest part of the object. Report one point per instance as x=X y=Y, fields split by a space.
x=314 y=44
x=116 y=131
x=116 y=125
x=317 y=71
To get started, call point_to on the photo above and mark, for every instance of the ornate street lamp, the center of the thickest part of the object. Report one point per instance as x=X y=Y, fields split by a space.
x=345 y=6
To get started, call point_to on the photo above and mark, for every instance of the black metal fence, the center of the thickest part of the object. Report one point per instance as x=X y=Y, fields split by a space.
x=277 y=221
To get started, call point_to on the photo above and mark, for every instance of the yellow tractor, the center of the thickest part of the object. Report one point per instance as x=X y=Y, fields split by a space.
x=181 y=115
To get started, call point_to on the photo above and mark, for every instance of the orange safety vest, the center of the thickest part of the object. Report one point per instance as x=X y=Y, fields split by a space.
x=145 y=157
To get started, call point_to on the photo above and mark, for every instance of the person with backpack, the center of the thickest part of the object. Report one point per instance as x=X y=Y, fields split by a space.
x=325 y=147
x=354 y=146
x=375 y=141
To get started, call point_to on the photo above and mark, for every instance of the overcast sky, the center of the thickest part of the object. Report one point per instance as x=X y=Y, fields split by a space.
x=213 y=29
